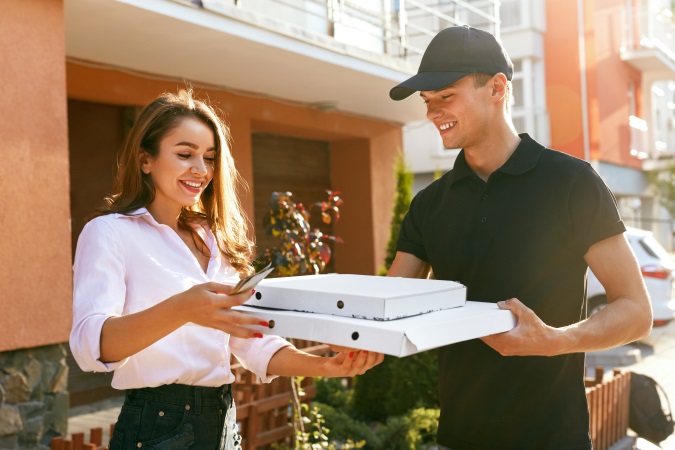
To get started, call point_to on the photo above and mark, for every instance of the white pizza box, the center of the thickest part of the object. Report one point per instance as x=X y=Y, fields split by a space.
x=400 y=337
x=359 y=296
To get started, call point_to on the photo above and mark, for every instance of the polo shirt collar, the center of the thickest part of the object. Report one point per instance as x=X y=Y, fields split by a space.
x=461 y=168
x=523 y=159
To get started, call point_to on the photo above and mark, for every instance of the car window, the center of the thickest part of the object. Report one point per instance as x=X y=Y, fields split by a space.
x=653 y=247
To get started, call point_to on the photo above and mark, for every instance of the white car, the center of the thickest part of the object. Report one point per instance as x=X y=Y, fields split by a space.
x=657 y=268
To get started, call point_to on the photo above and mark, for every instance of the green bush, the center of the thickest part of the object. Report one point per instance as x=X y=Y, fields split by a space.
x=413 y=431
x=343 y=427
x=396 y=386
x=371 y=390
x=414 y=384
x=331 y=391
x=404 y=184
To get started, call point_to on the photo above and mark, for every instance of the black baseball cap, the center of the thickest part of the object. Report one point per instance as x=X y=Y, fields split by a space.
x=453 y=54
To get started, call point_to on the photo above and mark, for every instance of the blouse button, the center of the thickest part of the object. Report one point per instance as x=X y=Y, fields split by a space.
x=187 y=407
x=161 y=414
x=484 y=196
x=483 y=220
x=139 y=445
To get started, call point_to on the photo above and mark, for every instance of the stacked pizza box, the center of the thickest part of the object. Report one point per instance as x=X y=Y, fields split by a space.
x=394 y=316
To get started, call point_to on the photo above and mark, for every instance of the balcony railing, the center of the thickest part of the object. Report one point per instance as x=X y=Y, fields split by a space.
x=651 y=27
x=398 y=28
x=517 y=14
x=658 y=146
x=639 y=138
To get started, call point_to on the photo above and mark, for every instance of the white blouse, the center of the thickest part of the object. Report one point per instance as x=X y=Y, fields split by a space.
x=128 y=263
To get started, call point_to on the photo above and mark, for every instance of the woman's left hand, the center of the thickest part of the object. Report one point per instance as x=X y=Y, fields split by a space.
x=348 y=364
x=291 y=362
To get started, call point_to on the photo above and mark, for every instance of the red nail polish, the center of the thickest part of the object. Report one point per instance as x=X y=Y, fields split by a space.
x=258 y=335
x=264 y=324
x=252 y=291
x=351 y=354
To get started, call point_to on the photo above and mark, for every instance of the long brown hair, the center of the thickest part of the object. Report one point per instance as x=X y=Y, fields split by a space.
x=219 y=204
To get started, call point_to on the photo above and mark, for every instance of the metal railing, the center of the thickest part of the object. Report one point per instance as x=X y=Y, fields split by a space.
x=651 y=27
x=398 y=28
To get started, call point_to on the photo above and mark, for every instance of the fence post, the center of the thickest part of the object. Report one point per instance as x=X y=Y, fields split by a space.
x=252 y=429
x=78 y=441
x=96 y=436
x=57 y=443
x=591 y=395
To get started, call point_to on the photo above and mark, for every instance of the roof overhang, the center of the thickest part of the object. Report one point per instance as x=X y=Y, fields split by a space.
x=235 y=50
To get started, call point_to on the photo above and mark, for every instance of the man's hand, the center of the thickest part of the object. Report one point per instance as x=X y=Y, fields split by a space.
x=530 y=337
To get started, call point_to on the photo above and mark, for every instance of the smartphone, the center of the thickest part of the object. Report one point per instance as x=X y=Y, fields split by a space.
x=248 y=283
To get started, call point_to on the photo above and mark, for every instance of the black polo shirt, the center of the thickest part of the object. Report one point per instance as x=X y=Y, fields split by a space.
x=522 y=234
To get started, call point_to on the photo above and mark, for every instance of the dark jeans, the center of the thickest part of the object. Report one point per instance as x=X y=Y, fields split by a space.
x=172 y=417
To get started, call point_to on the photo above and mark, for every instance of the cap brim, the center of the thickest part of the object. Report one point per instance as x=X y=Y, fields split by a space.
x=424 y=81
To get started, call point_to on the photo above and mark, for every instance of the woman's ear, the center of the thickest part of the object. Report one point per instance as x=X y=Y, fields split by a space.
x=144 y=159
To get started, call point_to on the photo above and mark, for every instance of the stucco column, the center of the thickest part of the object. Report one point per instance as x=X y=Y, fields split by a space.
x=363 y=170
x=35 y=251
x=35 y=266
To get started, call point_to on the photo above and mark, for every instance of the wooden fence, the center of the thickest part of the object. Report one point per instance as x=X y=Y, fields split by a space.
x=264 y=411
x=608 y=403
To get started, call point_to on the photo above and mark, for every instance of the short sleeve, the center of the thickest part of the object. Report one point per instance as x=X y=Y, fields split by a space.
x=593 y=211
x=99 y=292
x=255 y=354
x=410 y=239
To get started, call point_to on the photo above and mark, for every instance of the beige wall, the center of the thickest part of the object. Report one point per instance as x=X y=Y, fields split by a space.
x=35 y=260
x=362 y=151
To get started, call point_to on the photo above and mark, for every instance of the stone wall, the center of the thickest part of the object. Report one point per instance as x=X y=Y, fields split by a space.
x=33 y=397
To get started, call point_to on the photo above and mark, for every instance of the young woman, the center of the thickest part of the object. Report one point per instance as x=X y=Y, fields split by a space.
x=152 y=275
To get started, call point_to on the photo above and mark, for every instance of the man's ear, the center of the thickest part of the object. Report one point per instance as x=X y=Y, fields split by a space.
x=498 y=86
x=144 y=159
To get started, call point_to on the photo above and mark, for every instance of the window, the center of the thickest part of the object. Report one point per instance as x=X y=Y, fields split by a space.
x=510 y=13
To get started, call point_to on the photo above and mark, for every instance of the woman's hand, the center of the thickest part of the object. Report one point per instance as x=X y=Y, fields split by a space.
x=291 y=362
x=204 y=304
x=348 y=364
x=209 y=305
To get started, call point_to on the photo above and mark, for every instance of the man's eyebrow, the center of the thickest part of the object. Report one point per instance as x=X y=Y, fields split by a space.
x=444 y=88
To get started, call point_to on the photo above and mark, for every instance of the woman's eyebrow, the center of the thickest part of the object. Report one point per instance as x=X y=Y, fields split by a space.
x=187 y=144
x=193 y=146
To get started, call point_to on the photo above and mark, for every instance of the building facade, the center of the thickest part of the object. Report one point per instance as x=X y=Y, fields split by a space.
x=304 y=85
x=603 y=97
x=595 y=79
